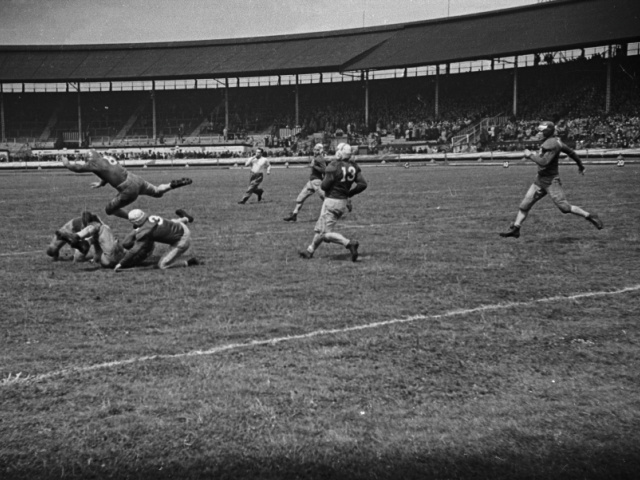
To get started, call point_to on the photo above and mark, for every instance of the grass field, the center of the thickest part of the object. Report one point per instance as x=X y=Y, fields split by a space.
x=445 y=351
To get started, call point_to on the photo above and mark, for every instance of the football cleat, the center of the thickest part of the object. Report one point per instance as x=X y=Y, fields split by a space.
x=306 y=254
x=180 y=183
x=595 y=221
x=193 y=261
x=352 y=246
x=53 y=253
x=513 y=231
x=291 y=218
x=182 y=214
x=242 y=202
x=259 y=195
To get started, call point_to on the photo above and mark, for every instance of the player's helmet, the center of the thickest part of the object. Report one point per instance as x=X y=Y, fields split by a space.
x=318 y=148
x=343 y=151
x=137 y=217
x=546 y=128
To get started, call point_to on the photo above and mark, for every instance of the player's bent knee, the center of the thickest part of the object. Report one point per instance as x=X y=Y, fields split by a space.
x=564 y=207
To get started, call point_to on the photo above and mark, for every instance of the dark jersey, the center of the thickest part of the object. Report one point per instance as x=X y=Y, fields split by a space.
x=108 y=169
x=549 y=156
x=339 y=176
x=318 y=166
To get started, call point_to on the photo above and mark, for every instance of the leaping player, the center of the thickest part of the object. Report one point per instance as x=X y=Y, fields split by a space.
x=128 y=185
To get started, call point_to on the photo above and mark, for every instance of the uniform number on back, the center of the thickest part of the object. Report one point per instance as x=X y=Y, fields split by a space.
x=348 y=174
x=156 y=219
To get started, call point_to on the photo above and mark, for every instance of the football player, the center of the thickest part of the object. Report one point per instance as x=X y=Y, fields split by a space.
x=152 y=228
x=259 y=166
x=340 y=175
x=318 y=165
x=63 y=236
x=548 y=181
x=128 y=185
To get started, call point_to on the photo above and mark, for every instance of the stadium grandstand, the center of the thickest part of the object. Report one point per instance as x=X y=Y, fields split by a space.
x=470 y=82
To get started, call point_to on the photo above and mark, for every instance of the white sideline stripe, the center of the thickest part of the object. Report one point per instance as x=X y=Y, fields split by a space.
x=19 y=379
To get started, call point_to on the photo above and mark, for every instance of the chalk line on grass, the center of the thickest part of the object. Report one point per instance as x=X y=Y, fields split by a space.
x=14 y=379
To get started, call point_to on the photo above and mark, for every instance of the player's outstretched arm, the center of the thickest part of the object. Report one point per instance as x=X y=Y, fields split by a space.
x=74 y=167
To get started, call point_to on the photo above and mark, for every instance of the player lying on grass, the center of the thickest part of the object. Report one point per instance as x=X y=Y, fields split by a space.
x=152 y=228
x=548 y=181
x=341 y=174
x=128 y=185
x=108 y=250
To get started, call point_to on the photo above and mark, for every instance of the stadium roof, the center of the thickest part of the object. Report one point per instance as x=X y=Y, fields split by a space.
x=544 y=27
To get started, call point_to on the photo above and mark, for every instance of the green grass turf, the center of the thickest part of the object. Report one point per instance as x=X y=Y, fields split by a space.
x=521 y=389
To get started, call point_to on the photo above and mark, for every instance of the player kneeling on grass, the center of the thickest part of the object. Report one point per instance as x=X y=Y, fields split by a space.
x=339 y=177
x=152 y=228
x=108 y=250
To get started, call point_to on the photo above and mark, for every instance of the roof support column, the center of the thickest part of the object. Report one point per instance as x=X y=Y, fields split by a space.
x=437 y=94
x=297 y=101
x=79 y=117
x=226 y=104
x=3 y=136
x=366 y=100
x=153 y=109
x=607 y=97
x=515 y=87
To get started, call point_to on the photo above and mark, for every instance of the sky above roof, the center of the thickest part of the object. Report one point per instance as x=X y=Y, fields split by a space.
x=68 y=22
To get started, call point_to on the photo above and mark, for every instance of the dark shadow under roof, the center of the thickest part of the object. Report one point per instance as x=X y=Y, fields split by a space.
x=549 y=26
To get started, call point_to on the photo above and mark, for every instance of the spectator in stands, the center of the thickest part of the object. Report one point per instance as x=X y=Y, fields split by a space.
x=129 y=185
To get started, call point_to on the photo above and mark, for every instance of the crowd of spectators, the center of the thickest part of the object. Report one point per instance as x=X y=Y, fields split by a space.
x=402 y=111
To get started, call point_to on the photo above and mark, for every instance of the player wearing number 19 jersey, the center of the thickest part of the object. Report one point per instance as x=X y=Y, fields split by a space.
x=343 y=179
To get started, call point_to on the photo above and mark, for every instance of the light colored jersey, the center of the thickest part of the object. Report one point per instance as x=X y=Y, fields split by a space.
x=258 y=165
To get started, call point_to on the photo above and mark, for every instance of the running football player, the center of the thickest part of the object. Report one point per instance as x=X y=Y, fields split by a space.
x=340 y=175
x=318 y=165
x=548 y=181
x=259 y=166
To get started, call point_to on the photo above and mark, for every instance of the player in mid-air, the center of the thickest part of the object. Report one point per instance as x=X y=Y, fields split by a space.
x=340 y=175
x=129 y=185
x=152 y=228
x=318 y=164
x=259 y=166
x=548 y=181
